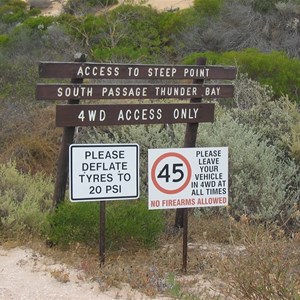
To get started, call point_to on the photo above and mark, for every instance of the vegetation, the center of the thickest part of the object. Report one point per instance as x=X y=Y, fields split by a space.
x=25 y=201
x=128 y=223
x=274 y=69
x=251 y=245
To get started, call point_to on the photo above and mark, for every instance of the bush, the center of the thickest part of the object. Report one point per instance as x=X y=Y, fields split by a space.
x=25 y=201
x=81 y=7
x=130 y=222
x=12 y=11
x=40 y=23
x=74 y=222
x=120 y=54
x=131 y=32
x=262 y=184
x=276 y=120
x=3 y=39
x=274 y=69
x=29 y=137
x=264 y=6
x=127 y=222
x=268 y=267
x=208 y=8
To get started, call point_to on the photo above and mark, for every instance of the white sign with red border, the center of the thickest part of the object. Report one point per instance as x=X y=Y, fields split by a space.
x=187 y=177
x=104 y=172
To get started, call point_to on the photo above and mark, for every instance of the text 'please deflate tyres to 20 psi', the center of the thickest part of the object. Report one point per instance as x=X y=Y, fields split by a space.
x=104 y=172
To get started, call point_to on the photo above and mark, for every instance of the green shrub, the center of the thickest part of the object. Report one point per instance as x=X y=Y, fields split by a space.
x=74 y=222
x=131 y=33
x=294 y=143
x=79 y=6
x=122 y=54
x=102 y=2
x=276 y=120
x=208 y=8
x=85 y=29
x=40 y=23
x=18 y=76
x=265 y=6
x=3 y=39
x=262 y=184
x=12 y=11
x=25 y=201
x=131 y=222
x=126 y=222
x=274 y=69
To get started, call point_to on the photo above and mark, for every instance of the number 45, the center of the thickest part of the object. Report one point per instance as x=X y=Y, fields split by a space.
x=176 y=169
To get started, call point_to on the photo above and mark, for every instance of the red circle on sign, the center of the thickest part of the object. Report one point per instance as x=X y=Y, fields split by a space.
x=184 y=185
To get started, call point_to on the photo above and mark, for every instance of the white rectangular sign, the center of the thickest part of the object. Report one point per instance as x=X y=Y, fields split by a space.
x=187 y=177
x=104 y=172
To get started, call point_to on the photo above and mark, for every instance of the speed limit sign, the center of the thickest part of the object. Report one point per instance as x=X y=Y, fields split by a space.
x=188 y=177
x=171 y=173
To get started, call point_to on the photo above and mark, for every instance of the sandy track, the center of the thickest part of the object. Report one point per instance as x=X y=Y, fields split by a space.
x=27 y=275
x=56 y=5
x=170 y=4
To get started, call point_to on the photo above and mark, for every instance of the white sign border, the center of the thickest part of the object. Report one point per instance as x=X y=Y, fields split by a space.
x=162 y=151
x=99 y=199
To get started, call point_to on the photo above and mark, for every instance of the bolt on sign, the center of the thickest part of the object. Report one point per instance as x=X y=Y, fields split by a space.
x=104 y=172
x=187 y=177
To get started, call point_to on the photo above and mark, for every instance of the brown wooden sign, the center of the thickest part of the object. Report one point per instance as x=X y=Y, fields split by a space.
x=132 y=114
x=137 y=71
x=100 y=91
x=73 y=114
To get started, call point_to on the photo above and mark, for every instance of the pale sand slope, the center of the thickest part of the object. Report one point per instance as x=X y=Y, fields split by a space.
x=168 y=4
x=27 y=275
x=56 y=6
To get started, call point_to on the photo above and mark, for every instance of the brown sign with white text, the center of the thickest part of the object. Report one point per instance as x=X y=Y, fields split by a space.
x=137 y=71
x=132 y=114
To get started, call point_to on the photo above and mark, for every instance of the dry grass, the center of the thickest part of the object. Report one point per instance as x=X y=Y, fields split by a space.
x=226 y=260
x=60 y=275
x=33 y=143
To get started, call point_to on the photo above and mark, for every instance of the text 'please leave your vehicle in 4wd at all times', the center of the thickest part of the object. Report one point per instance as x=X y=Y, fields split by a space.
x=187 y=177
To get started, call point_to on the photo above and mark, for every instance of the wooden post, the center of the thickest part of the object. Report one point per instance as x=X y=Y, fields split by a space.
x=67 y=140
x=181 y=219
x=189 y=141
x=185 y=239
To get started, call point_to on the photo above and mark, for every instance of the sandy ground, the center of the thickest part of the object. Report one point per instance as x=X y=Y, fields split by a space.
x=56 y=5
x=170 y=4
x=27 y=275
